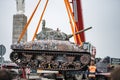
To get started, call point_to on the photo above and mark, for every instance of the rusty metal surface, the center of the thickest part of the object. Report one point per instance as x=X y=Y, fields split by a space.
x=55 y=45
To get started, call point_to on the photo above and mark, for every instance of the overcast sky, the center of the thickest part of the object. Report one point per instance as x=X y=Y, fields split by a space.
x=102 y=15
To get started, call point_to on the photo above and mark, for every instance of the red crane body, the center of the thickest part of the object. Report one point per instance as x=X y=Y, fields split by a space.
x=77 y=11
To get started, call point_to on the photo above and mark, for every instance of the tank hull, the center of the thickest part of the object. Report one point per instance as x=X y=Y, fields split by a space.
x=50 y=55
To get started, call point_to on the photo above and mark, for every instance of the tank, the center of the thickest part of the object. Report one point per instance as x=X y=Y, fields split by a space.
x=51 y=50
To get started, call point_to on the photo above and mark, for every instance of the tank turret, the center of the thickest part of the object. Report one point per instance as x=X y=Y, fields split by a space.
x=50 y=34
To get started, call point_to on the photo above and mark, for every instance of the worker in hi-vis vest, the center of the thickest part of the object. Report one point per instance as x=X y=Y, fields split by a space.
x=92 y=71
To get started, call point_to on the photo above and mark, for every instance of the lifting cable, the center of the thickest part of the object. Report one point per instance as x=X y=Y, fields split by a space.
x=40 y=20
x=72 y=18
x=75 y=26
x=26 y=26
x=73 y=31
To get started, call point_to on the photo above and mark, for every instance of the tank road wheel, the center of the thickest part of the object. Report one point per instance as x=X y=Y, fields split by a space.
x=85 y=59
x=33 y=64
x=71 y=66
x=23 y=61
x=14 y=57
x=18 y=59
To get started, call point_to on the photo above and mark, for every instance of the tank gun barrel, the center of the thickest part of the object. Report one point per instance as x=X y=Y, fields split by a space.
x=69 y=36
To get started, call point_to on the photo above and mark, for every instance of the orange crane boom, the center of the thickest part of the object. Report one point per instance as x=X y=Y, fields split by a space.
x=40 y=20
x=77 y=12
x=72 y=21
x=27 y=24
x=72 y=27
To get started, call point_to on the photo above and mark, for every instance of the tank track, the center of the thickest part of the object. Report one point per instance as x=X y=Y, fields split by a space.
x=51 y=60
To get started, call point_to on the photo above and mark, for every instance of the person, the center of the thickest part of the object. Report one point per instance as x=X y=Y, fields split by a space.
x=20 y=6
x=115 y=74
x=92 y=70
x=5 y=75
